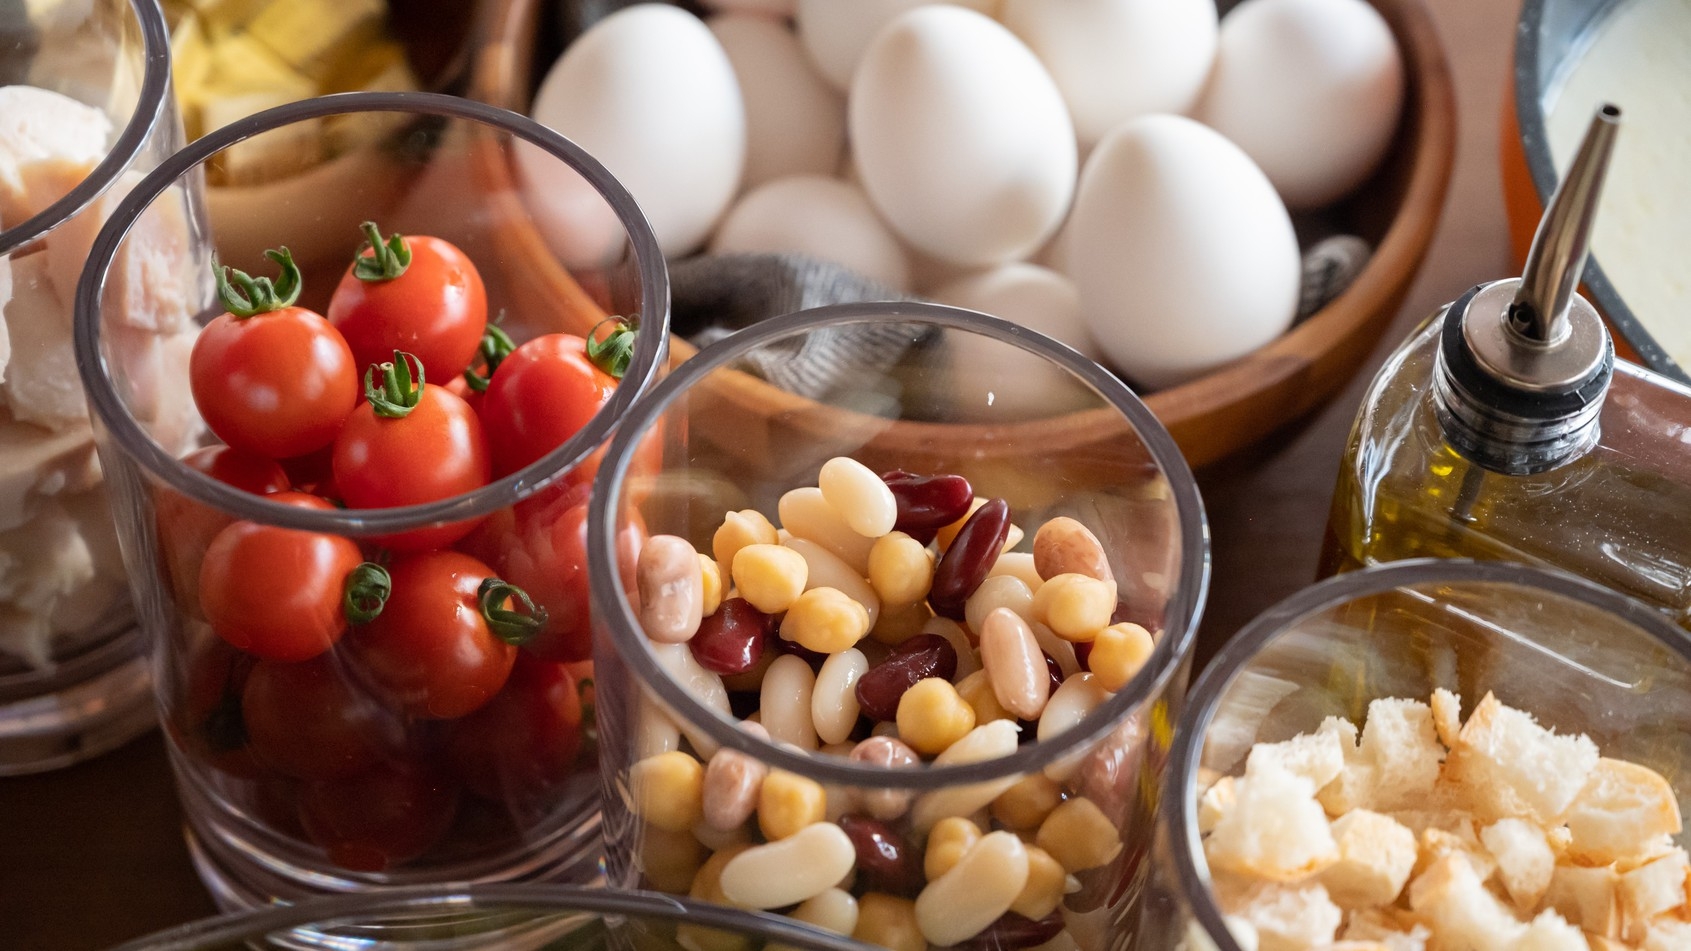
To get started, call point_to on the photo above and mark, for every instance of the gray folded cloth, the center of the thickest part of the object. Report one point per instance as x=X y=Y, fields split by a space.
x=714 y=295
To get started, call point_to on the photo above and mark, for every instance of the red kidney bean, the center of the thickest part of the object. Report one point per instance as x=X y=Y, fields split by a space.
x=784 y=646
x=1015 y=931
x=885 y=860
x=1053 y=671
x=732 y=640
x=927 y=504
x=1083 y=653
x=964 y=565
x=883 y=685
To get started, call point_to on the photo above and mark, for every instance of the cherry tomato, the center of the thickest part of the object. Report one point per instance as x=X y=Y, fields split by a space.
x=412 y=442
x=433 y=652
x=276 y=592
x=186 y=527
x=540 y=396
x=520 y=748
x=380 y=818
x=414 y=293
x=545 y=554
x=307 y=720
x=270 y=377
x=204 y=717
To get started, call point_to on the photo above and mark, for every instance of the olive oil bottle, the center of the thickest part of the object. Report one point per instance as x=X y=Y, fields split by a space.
x=1505 y=428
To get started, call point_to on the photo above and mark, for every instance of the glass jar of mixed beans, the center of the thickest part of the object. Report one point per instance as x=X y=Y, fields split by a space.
x=896 y=656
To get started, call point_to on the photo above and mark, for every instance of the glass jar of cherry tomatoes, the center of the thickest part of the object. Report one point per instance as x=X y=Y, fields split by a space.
x=365 y=582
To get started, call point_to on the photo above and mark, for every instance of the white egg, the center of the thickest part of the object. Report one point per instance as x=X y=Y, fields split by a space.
x=836 y=32
x=817 y=216
x=990 y=374
x=960 y=136
x=768 y=8
x=795 y=122
x=1183 y=254
x=1035 y=297
x=1310 y=89
x=1118 y=59
x=642 y=89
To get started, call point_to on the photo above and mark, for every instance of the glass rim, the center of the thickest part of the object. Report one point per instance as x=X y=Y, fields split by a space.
x=1179 y=818
x=650 y=350
x=1185 y=608
x=149 y=109
x=541 y=898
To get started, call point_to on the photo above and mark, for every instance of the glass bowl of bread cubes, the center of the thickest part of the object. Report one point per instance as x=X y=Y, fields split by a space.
x=1432 y=756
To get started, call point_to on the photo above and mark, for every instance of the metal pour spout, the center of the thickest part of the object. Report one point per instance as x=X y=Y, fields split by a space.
x=1562 y=243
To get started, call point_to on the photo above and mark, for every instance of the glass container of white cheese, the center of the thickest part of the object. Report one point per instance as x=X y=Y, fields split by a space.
x=85 y=110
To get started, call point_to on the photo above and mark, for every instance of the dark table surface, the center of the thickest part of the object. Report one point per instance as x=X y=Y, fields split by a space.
x=93 y=855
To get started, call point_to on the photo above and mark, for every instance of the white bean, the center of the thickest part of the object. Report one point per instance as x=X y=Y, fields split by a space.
x=828 y=570
x=672 y=589
x=967 y=662
x=789 y=687
x=976 y=892
x=998 y=591
x=859 y=496
x=654 y=729
x=806 y=514
x=833 y=910
x=988 y=741
x=833 y=701
x=791 y=870
x=704 y=685
x=1074 y=700
x=1014 y=665
x=1018 y=564
x=1060 y=650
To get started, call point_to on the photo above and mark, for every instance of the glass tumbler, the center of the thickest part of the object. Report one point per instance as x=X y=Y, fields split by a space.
x=1579 y=658
x=832 y=807
x=85 y=109
x=332 y=755
x=484 y=917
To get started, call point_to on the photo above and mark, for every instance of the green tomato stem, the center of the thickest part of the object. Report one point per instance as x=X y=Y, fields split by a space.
x=495 y=346
x=398 y=392
x=513 y=626
x=243 y=295
x=367 y=589
x=387 y=260
x=613 y=353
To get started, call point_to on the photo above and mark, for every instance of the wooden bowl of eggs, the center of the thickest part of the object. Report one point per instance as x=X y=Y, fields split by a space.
x=1274 y=155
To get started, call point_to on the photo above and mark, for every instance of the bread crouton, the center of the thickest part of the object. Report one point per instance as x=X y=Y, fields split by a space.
x=1447 y=715
x=1352 y=789
x=1461 y=913
x=1456 y=837
x=1651 y=890
x=1525 y=860
x=1214 y=803
x=1622 y=807
x=1587 y=897
x=1399 y=740
x=1376 y=855
x=1511 y=766
x=1389 y=926
x=1549 y=932
x=1317 y=757
x=1275 y=830
x=1668 y=934
x=1286 y=917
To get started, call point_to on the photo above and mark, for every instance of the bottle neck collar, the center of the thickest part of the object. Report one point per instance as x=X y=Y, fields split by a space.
x=1498 y=421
